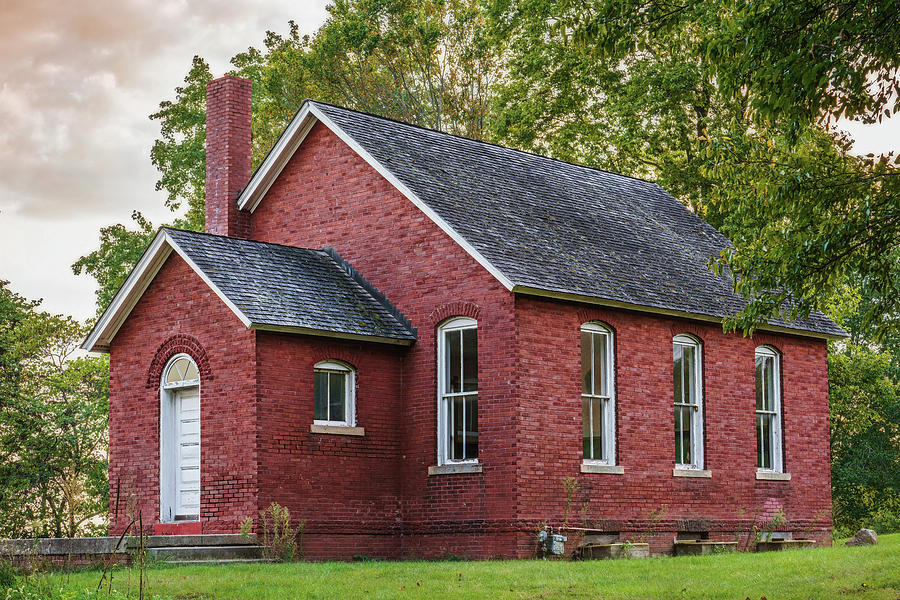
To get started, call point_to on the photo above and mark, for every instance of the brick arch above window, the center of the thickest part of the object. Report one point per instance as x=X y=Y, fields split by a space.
x=348 y=357
x=454 y=309
x=178 y=344
x=597 y=315
x=766 y=339
x=690 y=329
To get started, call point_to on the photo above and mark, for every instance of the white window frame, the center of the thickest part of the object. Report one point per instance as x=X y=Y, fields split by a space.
x=333 y=366
x=697 y=412
x=608 y=401
x=443 y=411
x=182 y=383
x=776 y=449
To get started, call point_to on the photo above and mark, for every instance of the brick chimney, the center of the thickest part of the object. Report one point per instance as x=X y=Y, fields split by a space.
x=227 y=154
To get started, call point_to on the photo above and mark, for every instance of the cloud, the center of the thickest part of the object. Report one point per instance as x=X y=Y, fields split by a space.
x=79 y=80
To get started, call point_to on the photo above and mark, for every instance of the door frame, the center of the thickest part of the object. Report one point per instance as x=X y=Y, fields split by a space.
x=167 y=443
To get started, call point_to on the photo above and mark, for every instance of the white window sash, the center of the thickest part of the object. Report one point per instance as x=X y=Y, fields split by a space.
x=445 y=398
x=608 y=401
x=349 y=394
x=695 y=408
x=774 y=441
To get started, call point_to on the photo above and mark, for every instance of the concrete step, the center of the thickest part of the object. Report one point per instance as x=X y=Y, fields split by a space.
x=213 y=553
x=221 y=539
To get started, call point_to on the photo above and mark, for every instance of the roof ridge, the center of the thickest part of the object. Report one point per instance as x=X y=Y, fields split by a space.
x=483 y=142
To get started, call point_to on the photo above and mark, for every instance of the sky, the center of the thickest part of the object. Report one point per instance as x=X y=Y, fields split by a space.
x=78 y=81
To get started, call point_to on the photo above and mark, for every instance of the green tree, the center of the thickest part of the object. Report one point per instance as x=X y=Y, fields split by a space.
x=725 y=105
x=53 y=426
x=865 y=439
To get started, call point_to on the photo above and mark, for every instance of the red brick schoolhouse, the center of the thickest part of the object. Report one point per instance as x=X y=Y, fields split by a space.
x=411 y=339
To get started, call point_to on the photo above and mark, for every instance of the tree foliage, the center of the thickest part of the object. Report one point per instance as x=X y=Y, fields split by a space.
x=725 y=104
x=865 y=439
x=53 y=425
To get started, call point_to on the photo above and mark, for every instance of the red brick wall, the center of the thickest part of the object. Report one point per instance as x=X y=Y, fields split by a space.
x=328 y=196
x=345 y=488
x=178 y=303
x=549 y=440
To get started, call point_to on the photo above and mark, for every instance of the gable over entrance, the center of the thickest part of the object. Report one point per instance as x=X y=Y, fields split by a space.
x=268 y=287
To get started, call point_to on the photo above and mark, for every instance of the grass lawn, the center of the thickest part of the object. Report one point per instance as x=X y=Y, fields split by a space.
x=838 y=572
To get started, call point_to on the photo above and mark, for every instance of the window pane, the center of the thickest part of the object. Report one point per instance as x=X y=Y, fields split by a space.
x=770 y=382
x=683 y=435
x=320 y=395
x=586 y=367
x=678 y=373
x=586 y=428
x=598 y=428
x=470 y=360
x=760 y=367
x=679 y=454
x=471 y=449
x=191 y=371
x=457 y=437
x=764 y=436
x=689 y=366
x=454 y=361
x=337 y=393
x=600 y=374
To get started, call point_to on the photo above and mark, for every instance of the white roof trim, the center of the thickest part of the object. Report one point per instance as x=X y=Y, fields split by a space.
x=136 y=284
x=294 y=135
x=276 y=159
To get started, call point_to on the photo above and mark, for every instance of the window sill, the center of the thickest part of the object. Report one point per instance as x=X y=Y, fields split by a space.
x=609 y=469
x=453 y=469
x=337 y=430
x=772 y=476
x=701 y=473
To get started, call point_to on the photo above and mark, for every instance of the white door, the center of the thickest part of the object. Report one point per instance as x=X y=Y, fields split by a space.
x=187 y=454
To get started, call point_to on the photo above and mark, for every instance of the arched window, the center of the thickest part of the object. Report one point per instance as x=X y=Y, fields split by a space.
x=769 y=456
x=334 y=390
x=180 y=372
x=688 y=382
x=598 y=394
x=457 y=358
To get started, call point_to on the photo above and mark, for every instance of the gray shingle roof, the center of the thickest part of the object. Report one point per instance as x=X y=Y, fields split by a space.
x=557 y=226
x=284 y=286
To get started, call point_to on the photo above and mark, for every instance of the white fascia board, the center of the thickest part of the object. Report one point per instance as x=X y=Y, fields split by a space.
x=276 y=159
x=128 y=295
x=294 y=135
x=136 y=284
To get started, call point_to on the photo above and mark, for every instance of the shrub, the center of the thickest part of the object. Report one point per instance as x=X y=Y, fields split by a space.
x=281 y=541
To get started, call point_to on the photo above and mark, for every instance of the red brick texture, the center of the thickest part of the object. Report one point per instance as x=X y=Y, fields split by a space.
x=549 y=405
x=328 y=196
x=372 y=495
x=227 y=154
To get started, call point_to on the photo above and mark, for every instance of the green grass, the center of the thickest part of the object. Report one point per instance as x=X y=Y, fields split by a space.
x=871 y=572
